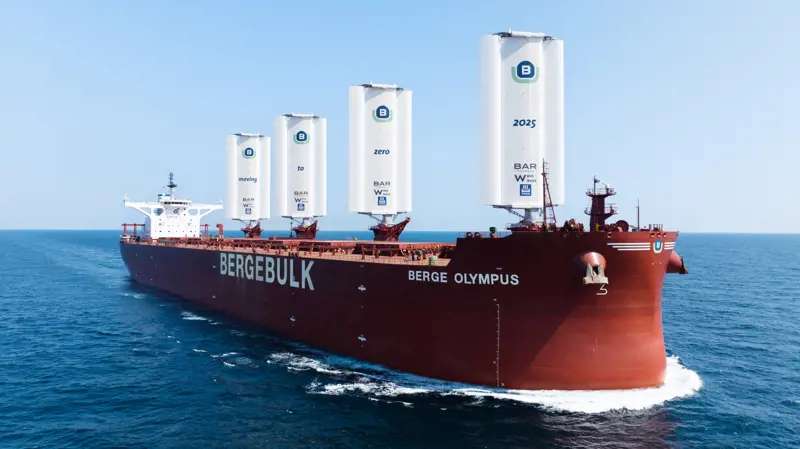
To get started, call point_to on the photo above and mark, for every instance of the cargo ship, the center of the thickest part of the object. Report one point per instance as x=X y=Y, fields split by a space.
x=536 y=306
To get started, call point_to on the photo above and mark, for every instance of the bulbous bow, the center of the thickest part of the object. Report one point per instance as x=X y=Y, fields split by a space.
x=676 y=265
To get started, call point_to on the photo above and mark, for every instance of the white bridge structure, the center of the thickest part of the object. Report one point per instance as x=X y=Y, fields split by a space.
x=170 y=216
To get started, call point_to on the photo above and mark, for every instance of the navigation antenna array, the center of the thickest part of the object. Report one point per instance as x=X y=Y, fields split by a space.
x=172 y=184
x=547 y=202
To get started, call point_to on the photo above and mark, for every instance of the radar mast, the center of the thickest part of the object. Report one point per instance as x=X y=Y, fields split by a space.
x=172 y=184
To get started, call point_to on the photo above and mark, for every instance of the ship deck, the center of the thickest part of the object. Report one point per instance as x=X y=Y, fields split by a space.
x=394 y=253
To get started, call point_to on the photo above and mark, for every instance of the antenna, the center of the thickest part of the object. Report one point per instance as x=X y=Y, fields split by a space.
x=171 y=184
x=638 y=227
x=546 y=199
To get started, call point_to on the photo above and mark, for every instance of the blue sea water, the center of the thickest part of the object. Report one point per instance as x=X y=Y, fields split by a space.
x=90 y=359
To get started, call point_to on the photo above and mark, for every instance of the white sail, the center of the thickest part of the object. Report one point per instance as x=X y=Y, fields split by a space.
x=247 y=179
x=300 y=166
x=523 y=118
x=380 y=149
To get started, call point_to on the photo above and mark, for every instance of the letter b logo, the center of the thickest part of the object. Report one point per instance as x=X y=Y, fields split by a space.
x=525 y=72
x=382 y=114
x=301 y=137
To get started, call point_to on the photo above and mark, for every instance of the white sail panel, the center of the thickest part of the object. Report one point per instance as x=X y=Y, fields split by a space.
x=402 y=160
x=247 y=177
x=300 y=165
x=522 y=96
x=380 y=149
x=356 y=151
x=491 y=118
x=522 y=119
x=554 y=111
x=321 y=168
x=281 y=167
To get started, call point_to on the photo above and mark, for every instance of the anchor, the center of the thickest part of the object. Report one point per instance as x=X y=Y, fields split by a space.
x=595 y=275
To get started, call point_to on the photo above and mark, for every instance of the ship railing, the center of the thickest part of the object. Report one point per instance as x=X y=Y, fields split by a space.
x=393 y=256
x=425 y=260
x=432 y=255
x=607 y=191
x=134 y=226
x=652 y=228
x=536 y=226
x=610 y=209
x=483 y=234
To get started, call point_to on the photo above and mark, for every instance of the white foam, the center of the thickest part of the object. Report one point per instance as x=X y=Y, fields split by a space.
x=192 y=317
x=245 y=361
x=300 y=363
x=236 y=361
x=133 y=295
x=679 y=382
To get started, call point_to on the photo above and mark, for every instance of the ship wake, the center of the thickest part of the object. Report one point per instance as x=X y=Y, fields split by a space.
x=349 y=377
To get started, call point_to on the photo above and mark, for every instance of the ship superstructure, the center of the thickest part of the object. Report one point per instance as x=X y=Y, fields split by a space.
x=171 y=217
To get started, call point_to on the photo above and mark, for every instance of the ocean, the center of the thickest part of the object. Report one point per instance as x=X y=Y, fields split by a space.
x=90 y=359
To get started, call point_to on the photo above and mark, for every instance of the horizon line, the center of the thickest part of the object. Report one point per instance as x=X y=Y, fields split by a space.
x=404 y=232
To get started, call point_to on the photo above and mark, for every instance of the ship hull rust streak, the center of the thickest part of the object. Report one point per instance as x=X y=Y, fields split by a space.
x=444 y=321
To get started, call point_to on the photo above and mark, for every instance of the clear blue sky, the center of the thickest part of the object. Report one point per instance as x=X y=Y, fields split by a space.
x=691 y=106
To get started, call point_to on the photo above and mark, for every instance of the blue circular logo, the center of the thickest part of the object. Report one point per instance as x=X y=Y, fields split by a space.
x=382 y=113
x=249 y=153
x=525 y=72
x=658 y=246
x=301 y=137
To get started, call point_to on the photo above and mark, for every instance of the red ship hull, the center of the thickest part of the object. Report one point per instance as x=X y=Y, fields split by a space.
x=509 y=312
